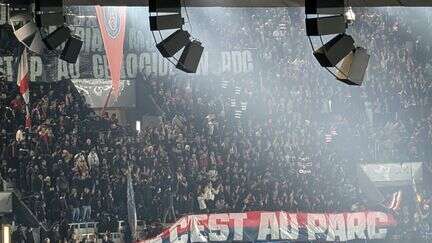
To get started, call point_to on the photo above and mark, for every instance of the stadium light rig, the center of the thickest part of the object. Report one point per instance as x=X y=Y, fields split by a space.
x=345 y=61
x=32 y=30
x=166 y=16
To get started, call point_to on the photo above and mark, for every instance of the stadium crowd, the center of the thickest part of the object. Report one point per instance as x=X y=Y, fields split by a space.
x=280 y=143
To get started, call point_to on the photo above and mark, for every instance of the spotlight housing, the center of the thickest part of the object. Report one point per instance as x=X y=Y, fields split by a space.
x=57 y=37
x=325 y=6
x=166 y=22
x=72 y=49
x=50 y=19
x=164 y=6
x=174 y=43
x=48 y=6
x=325 y=25
x=335 y=50
x=190 y=57
x=353 y=68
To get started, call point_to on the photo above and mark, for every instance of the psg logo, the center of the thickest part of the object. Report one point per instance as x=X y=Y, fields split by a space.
x=112 y=22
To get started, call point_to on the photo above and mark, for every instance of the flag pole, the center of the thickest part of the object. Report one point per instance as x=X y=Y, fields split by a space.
x=28 y=118
x=131 y=207
x=106 y=101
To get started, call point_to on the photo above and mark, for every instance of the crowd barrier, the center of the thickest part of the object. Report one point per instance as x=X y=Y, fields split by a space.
x=98 y=238
x=90 y=230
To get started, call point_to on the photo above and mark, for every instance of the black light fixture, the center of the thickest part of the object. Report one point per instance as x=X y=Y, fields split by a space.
x=353 y=67
x=166 y=16
x=48 y=6
x=325 y=6
x=49 y=13
x=58 y=37
x=72 y=49
x=174 y=43
x=339 y=53
x=164 y=6
x=325 y=25
x=190 y=57
x=330 y=54
x=166 y=22
x=50 y=19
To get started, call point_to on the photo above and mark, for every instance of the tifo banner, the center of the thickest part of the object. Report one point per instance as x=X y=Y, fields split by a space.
x=112 y=24
x=96 y=92
x=94 y=65
x=277 y=226
x=92 y=73
x=140 y=56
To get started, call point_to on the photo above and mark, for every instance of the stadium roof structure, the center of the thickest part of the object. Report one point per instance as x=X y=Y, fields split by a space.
x=253 y=3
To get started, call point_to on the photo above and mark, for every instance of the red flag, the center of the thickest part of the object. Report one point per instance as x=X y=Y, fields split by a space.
x=112 y=24
x=23 y=77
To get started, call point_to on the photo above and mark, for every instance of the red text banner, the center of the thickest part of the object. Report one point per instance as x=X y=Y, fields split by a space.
x=277 y=226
